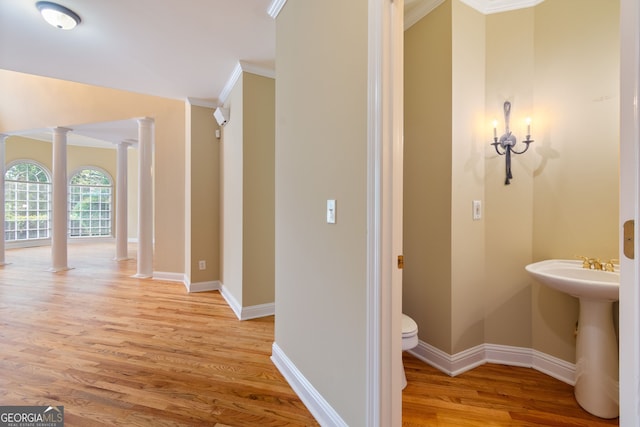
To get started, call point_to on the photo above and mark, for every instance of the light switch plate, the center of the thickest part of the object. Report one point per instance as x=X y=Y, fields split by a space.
x=331 y=211
x=477 y=210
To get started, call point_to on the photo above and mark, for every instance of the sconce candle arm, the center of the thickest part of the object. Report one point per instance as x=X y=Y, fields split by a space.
x=527 y=141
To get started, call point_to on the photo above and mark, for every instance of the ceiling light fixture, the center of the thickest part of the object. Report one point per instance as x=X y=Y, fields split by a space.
x=57 y=15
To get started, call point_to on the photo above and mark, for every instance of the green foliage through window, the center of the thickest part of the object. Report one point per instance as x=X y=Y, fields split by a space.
x=90 y=201
x=27 y=202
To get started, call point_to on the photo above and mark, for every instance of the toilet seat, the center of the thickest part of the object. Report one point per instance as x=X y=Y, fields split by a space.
x=409 y=326
x=409 y=333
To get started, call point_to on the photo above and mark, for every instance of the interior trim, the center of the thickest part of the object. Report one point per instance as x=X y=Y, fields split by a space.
x=466 y=360
x=256 y=311
x=243 y=66
x=487 y=7
x=168 y=276
x=275 y=7
x=321 y=410
x=249 y=312
x=419 y=11
x=213 y=285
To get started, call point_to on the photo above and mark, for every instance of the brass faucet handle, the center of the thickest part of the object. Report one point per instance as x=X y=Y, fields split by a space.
x=586 y=261
x=610 y=265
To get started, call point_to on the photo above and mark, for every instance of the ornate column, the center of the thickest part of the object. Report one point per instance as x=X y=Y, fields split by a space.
x=59 y=197
x=122 y=202
x=3 y=138
x=145 y=198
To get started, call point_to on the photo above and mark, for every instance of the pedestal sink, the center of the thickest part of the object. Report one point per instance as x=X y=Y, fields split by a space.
x=596 y=388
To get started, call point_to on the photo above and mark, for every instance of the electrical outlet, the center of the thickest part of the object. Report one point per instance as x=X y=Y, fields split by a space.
x=202 y=265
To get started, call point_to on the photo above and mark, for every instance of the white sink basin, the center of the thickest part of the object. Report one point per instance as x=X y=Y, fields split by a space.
x=596 y=374
x=570 y=277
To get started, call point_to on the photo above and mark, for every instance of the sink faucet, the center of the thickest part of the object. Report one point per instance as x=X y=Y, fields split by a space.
x=596 y=264
x=587 y=262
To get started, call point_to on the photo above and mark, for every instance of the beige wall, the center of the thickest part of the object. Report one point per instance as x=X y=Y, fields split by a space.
x=444 y=172
x=19 y=148
x=202 y=195
x=467 y=183
x=321 y=153
x=426 y=295
x=249 y=191
x=508 y=213
x=560 y=68
x=32 y=102
x=576 y=173
x=258 y=190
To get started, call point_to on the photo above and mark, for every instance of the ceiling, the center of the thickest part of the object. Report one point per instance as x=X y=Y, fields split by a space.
x=169 y=48
x=182 y=50
x=175 y=49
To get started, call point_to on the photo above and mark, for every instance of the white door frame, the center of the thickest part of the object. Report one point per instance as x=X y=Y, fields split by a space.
x=384 y=212
x=629 y=209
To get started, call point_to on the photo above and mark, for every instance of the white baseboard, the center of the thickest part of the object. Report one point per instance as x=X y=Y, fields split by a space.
x=260 y=310
x=554 y=367
x=168 y=276
x=508 y=355
x=231 y=301
x=213 y=285
x=317 y=405
x=491 y=353
x=250 y=312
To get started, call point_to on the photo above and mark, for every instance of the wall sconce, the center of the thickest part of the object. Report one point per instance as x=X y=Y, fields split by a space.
x=508 y=141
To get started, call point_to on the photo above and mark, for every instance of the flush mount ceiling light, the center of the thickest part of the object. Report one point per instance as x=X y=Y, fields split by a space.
x=58 y=16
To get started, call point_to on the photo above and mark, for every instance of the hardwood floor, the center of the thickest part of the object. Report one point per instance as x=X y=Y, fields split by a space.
x=120 y=351
x=115 y=350
x=490 y=395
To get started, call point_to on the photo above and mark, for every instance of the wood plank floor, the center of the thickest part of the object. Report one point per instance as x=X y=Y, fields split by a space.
x=490 y=395
x=120 y=351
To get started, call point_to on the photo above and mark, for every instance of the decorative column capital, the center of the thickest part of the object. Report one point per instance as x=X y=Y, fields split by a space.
x=145 y=121
x=60 y=130
x=126 y=143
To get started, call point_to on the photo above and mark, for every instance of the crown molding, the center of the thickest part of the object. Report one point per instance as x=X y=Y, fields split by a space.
x=422 y=8
x=199 y=102
x=247 y=67
x=243 y=66
x=419 y=11
x=275 y=7
x=496 y=6
x=226 y=90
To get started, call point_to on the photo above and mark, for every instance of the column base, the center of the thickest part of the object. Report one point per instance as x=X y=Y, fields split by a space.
x=59 y=269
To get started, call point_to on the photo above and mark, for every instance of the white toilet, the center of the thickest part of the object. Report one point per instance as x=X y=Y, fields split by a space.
x=409 y=340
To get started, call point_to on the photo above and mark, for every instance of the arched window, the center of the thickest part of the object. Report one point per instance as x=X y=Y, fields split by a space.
x=27 y=195
x=90 y=202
